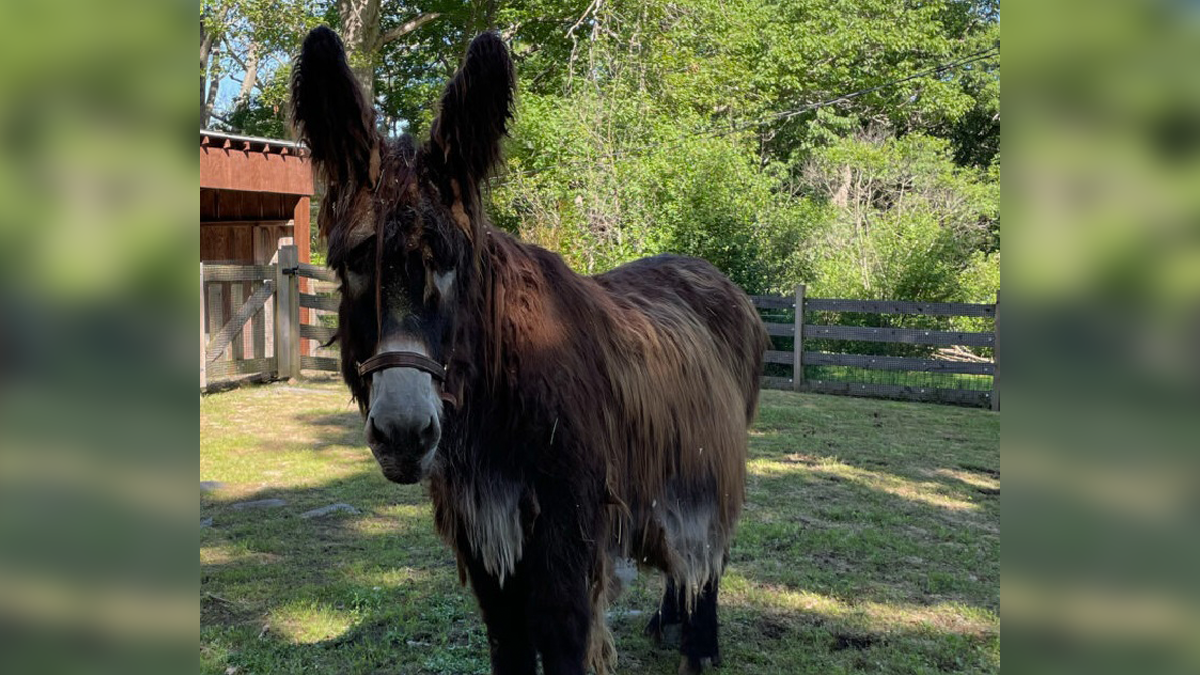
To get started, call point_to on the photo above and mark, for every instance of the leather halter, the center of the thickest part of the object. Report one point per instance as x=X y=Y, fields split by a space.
x=393 y=359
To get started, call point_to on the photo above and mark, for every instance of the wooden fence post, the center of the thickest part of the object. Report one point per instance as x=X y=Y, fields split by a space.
x=287 y=313
x=996 y=358
x=203 y=358
x=798 y=342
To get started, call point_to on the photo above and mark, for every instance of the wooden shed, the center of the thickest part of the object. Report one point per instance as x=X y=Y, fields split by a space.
x=254 y=196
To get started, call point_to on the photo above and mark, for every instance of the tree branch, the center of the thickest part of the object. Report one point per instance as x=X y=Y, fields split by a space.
x=407 y=27
x=233 y=53
x=251 y=78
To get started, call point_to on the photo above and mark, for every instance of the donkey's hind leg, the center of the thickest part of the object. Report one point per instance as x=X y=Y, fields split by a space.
x=699 y=644
x=665 y=626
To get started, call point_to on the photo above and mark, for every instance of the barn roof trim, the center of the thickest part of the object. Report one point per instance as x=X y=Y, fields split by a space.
x=273 y=146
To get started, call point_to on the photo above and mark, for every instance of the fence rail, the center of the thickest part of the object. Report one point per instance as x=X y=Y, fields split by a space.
x=239 y=302
x=804 y=329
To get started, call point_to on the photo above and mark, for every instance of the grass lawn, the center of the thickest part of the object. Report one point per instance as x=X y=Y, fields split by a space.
x=870 y=543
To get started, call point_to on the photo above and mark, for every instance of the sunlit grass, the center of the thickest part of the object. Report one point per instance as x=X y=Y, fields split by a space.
x=869 y=543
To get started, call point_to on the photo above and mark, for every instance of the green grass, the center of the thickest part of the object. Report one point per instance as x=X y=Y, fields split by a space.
x=908 y=378
x=870 y=543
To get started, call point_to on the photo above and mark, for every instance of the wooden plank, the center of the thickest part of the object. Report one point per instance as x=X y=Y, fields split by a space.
x=927 y=394
x=917 y=336
x=287 y=314
x=219 y=369
x=203 y=341
x=258 y=332
x=317 y=272
x=324 y=288
x=222 y=338
x=768 y=382
x=318 y=333
x=328 y=303
x=798 y=344
x=780 y=329
x=321 y=363
x=238 y=272
x=901 y=307
x=773 y=301
x=996 y=358
x=216 y=313
x=870 y=362
x=238 y=344
x=784 y=358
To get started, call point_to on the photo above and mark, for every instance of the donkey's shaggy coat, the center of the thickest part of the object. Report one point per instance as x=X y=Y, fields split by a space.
x=585 y=419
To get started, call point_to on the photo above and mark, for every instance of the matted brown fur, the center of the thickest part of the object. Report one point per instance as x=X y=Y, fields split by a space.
x=593 y=418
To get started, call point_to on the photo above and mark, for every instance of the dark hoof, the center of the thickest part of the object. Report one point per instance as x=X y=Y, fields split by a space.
x=694 y=666
x=663 y=635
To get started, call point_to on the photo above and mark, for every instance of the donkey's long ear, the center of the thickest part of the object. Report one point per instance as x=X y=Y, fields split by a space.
x=475 y=110
x=331 y=114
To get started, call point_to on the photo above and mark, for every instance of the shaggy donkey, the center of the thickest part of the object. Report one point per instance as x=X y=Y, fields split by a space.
x=562 y=421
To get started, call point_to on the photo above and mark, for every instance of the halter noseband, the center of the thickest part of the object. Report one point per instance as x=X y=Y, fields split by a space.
x=393 y=359
x=386 y=360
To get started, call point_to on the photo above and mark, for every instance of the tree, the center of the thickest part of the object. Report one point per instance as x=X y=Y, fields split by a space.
x=906 y=221
x=251 y=43
x=849 y=144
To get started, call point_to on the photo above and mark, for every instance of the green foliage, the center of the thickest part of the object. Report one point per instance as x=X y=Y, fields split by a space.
x=700 y=196
x=907 y=219
x=645 y=126
x=265 y=114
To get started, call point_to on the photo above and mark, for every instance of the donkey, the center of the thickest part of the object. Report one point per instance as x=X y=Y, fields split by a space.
x=562 y=422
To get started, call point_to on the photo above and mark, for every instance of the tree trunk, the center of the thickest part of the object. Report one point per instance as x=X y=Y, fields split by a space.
x=211 y=28
x=363 y=40
x=214 y=83
x=250 y=79
x=360 y=34
x=206 y=42
x=841 y=196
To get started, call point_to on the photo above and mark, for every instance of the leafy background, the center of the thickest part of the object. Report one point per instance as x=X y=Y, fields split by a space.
x=713 y=128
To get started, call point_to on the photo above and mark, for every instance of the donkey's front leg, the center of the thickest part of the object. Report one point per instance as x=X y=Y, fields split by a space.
x=699 y=645
x=503 y=608
x=560 y=612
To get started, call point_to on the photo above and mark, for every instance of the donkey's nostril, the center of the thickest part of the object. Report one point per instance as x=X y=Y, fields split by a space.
x=374 y=435
x=430 y=433
x=386 y=433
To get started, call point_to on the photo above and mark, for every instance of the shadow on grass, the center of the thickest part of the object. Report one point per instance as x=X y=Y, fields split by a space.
x=337 y=429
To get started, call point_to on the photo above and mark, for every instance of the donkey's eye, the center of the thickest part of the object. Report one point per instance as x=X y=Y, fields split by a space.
x=360 y=258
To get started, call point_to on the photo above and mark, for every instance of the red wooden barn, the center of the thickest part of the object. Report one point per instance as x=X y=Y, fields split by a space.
x=254 y=195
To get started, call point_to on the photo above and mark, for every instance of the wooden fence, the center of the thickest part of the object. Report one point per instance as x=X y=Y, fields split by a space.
x=265 y=321
x=802 y=329
x=270 y=321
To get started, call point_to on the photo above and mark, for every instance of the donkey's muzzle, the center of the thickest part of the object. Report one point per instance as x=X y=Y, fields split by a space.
x=402 y=446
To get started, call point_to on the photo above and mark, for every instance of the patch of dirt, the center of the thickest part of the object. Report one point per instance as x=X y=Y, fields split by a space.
x=994 y=473
x=218 y=611
x=844 y=641
x=771 y=628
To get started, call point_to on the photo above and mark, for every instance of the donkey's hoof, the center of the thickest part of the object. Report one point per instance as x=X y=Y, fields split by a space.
x=693 y=666
x=664 y=635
